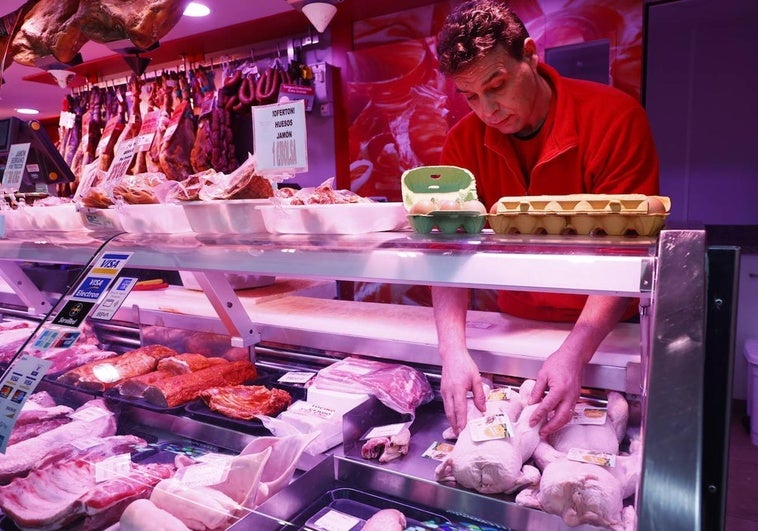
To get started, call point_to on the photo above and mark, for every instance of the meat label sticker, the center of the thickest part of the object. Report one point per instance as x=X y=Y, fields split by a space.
x=14 y=167
x=118 y=466
x=336 y=521
x=203 y=474
x=147 y=130
x=17 y=384
x=438 y=451
x=593 y=458
x=500 y=394
x=490 y=427
x=296 y=377
x=306 y=408
x=89 y=414
x=279 y=137
x=588 y=414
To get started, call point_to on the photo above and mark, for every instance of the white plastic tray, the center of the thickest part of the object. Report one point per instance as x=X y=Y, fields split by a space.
x=153 y=218
x=226 y=216
x=348 y=218
x=53 y=218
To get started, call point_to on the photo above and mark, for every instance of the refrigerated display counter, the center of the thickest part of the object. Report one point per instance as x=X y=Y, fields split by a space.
x=658 y=362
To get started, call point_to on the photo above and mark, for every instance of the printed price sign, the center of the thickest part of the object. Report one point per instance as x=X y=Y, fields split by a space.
x=16 y=385
x=14 y=168
x=121 y=161
x=279 y=137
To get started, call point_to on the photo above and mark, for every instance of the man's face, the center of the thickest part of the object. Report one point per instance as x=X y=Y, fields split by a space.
x=502 y=91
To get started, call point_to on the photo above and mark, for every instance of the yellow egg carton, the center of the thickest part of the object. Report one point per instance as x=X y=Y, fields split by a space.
x=614 y=215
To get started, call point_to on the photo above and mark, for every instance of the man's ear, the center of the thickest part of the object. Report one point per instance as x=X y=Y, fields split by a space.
x=530 y=51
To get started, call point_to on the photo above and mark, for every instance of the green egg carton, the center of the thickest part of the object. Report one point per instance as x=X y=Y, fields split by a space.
x=441 y=183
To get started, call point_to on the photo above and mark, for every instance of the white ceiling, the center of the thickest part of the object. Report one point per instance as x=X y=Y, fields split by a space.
x=16 y=92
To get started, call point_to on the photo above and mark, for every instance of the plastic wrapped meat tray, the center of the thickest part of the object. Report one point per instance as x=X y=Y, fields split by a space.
x=197 y=409
x=614 y=215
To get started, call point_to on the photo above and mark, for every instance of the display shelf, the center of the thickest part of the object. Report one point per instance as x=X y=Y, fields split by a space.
x=617 y=266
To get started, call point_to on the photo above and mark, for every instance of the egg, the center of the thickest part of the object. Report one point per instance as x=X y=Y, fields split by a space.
x=423 y=206
x=655 y=206
x=474 y=206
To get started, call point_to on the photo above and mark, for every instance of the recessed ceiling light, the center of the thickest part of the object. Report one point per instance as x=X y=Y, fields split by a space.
x=27 y=111
x=196 y=9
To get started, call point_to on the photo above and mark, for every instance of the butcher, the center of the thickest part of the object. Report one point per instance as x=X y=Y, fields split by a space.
x=533 y=132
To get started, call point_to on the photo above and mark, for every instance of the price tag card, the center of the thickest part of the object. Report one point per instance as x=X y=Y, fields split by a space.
x=438 y=451
x=297 y=377
x=336 y=521
x=67 y=120
x=114 y=467
x=490 y=427
x=89 y=174
x=14 y=168
x=387 y=430
x=279 y=137
x=288 y=92
x=121 y=161
x=97 y=218
x=593 y=458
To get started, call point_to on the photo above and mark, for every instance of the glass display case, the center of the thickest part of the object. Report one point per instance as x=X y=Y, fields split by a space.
x=659 y=361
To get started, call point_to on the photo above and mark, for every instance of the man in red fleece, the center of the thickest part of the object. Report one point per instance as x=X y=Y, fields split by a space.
x=533 y=132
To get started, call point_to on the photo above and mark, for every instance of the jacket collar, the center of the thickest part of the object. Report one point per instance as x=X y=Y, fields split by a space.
x=563 y=135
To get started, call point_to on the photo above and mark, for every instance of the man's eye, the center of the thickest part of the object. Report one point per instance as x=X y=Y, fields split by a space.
x=470 y=97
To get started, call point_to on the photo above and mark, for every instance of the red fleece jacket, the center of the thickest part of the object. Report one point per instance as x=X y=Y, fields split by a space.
x=600 y=142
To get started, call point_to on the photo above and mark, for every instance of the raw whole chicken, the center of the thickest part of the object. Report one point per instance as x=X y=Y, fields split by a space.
x=497 y=465
x=585 y=493
x=595 y=437
x=386 y=520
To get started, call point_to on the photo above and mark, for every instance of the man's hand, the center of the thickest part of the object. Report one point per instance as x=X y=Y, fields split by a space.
x=460 y=375
x=560 y=375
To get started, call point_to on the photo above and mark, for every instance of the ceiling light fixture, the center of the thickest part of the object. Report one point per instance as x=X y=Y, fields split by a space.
x=27 y=111
x=196 y=9
x=320 y=13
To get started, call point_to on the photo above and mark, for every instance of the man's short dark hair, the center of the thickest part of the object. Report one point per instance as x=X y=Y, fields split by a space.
x=473 y=29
